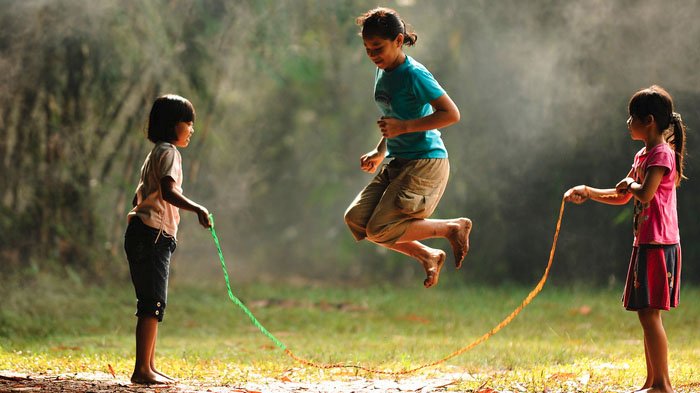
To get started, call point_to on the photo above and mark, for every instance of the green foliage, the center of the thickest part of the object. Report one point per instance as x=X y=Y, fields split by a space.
x=283 y=92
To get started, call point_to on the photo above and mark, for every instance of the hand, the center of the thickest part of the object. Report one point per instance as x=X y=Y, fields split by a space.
x=624 y=185
x=203 y=216
x=577 y=195
x=370 y=162
x=391 y=127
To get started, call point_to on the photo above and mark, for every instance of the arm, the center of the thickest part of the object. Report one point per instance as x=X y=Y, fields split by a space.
x=176 y=198
x=445 y=113
x=369 y=162
x=609 y=196
x=643 y=192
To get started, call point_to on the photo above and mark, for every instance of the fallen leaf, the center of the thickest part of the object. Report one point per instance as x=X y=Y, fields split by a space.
x=562 y=376
x=415 y=318
x=111 y=371
x=583 y=310
x=65 y=348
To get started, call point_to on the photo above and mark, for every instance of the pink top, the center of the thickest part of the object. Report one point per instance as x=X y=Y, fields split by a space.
x=163 y=161
x=656 y=222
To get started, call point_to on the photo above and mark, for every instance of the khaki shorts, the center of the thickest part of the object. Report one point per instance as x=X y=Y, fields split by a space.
x=403 y=191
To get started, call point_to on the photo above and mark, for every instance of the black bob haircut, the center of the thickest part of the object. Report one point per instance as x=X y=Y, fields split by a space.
x=167 y=111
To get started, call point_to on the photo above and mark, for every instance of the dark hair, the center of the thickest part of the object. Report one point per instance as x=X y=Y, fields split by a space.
x=385 y=23
x=657 y=102
x=167 y=111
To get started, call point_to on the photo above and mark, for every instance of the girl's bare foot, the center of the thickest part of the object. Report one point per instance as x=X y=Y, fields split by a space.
x=459 y=239
x=661 y=389
x=149 y=378
x=646 y=386
x=432 y=267
x=667 y=389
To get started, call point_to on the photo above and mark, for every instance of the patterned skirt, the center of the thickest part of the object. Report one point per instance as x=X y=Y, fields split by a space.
x=654 y=277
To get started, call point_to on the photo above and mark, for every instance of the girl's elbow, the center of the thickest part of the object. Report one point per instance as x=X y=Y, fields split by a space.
x=168 y=195
x=644 y=198
x=454 y=116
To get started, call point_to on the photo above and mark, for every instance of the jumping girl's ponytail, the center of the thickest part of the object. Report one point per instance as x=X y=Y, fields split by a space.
x=657 y=102
x=677 y=139
x=385 y=23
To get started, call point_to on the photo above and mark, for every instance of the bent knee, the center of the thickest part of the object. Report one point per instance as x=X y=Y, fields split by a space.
x=353 y=219
x=356 y=223
x=379 y=232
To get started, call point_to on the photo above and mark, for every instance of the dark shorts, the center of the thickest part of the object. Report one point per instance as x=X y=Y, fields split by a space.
x=654 y=277
x=149 y=264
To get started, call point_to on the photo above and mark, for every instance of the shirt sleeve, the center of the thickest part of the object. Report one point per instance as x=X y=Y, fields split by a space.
x=425 y=87
x=661 y=157
x=169 y=164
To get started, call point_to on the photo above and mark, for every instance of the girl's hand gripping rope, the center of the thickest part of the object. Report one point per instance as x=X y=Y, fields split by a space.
x=624 y=185
x=577 y=195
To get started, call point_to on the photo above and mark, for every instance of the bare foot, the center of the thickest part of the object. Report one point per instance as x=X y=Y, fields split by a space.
x=432 y=267
x=459 y=239
x=666 y=389
x=149 y=378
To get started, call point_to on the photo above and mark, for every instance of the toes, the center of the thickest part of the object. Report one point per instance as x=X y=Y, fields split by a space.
x=462 y=247
x=430 y=279
x=433 y=272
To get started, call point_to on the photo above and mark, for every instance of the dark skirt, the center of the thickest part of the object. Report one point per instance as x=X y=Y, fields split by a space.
x=654 y=277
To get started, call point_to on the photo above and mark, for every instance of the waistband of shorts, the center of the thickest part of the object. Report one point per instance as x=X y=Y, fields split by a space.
x=137 y=225
x=400 y=161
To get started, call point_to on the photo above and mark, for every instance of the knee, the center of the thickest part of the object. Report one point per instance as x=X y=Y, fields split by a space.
x=355 y=217
x=377 y=231
x=356 y=223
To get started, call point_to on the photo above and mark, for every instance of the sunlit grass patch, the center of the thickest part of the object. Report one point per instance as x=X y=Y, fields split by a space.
x=568 y=339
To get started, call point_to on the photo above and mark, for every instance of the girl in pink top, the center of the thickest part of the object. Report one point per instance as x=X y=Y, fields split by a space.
x=654 y=276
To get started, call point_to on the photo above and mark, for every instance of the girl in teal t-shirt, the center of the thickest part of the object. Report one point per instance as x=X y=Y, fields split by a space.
x=393 y=209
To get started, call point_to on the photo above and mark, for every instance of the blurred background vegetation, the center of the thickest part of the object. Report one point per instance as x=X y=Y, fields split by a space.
x=283 y=92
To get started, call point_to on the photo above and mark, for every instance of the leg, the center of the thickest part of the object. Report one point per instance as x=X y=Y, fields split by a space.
x=153 y=364
x=656 y=346
x=650 y=372
x=431 y=259
x=146 y=333
x=402 y=213
x=455 y=230
x=362 y=207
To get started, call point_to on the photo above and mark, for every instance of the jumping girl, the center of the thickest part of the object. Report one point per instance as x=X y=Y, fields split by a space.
x=393 y=209
x=654 y=276
x=150 y=237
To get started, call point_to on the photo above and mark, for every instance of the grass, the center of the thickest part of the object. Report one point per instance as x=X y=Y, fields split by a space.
x=568 y=339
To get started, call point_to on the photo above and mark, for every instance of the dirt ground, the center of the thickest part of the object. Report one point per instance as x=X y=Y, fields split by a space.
x=102 y=382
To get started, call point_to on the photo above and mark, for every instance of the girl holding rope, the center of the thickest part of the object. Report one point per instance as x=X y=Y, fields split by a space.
x=150 y=237
x=393 y=209
x=654 y=276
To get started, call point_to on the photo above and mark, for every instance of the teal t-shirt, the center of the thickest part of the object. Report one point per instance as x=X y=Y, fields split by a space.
x=405 y=93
